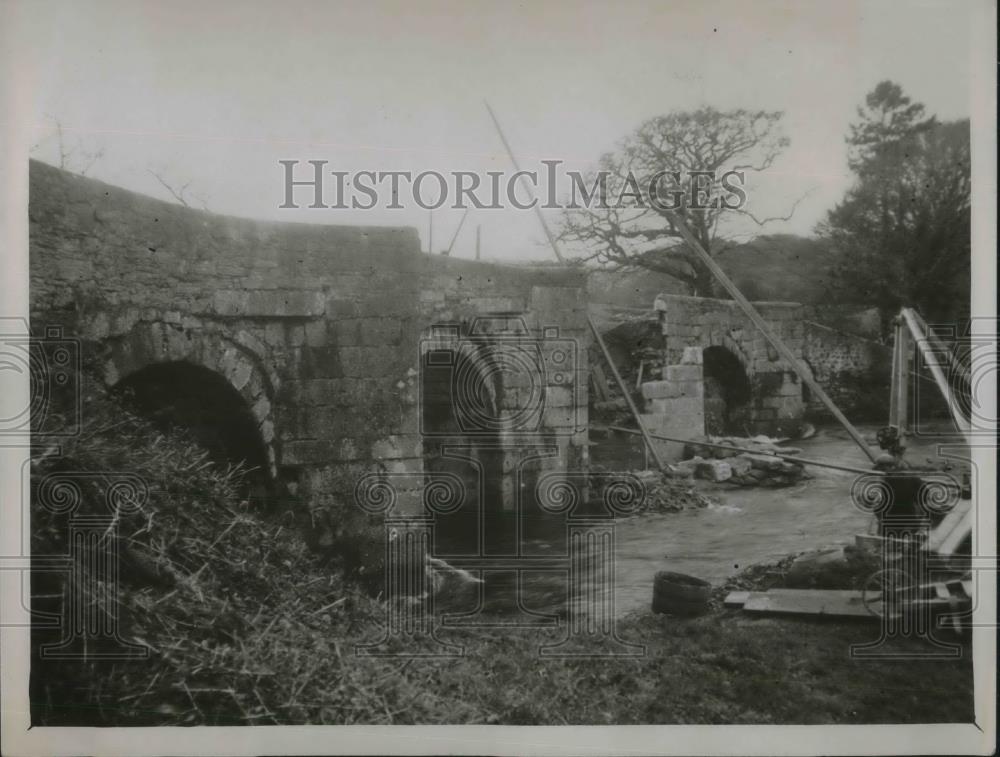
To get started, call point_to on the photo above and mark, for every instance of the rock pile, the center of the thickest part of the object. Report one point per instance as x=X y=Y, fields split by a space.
x=669 y=495
x=757 y=468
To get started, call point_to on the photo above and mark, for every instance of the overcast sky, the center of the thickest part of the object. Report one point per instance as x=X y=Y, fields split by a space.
x=215 y=93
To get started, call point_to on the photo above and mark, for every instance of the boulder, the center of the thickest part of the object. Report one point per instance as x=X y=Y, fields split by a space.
x=688 y=467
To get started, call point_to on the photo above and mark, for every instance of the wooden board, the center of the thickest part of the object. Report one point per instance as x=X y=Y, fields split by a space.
x=736 y=598
x=959 y=534
x=808 y=602
x=952 y=530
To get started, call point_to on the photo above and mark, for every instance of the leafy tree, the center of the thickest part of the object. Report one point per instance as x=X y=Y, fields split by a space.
x=693 y=164
x=902 y=233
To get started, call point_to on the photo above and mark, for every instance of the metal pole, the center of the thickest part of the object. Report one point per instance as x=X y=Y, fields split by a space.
x=772 y=338
x=790 y=458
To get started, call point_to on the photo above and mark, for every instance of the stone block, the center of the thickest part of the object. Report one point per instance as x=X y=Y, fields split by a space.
x=713 y=470
x=655 y=390
x=687 y=468
x=315 y=335
x=306 y=451
x=559 y=396
x=379 y=332
x=688 y=411
x=694 y=389
x=682 y=372
x=346 y=332
x=691 y=356
x=683 y=420
x=561 y=419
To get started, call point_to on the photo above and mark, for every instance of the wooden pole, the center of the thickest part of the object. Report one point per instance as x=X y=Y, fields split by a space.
x=628 y=397
x=932 y=360
x=772 y=338
x=541 y=218
x=894 y=386
x=455 y=236
x=430 y=232
x=903 y=391
x=479 y=229
x=593 y=326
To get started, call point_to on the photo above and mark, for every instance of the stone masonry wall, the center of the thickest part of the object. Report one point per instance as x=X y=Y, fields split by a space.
x=854 y=372
x=318 y=327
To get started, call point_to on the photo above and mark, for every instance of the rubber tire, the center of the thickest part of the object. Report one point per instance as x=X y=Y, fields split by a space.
x=680 y=594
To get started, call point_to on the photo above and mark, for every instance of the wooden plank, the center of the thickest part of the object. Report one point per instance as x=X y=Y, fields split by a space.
x=951 y=521
x=960 y=533
x=736 y=598
x=834 y=603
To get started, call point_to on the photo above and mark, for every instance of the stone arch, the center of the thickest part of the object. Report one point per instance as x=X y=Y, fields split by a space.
x=233 y=359
x=724 y=339
x=728 y=391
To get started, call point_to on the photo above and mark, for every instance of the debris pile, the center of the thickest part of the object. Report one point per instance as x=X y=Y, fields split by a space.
x=761 y=467
x=669 y=495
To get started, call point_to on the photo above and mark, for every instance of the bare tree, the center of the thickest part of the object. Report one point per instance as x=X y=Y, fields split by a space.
x=75 y=158
x=688 y=164
x=180 y=194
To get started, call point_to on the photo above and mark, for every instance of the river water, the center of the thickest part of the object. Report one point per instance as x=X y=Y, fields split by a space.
x=751 y=525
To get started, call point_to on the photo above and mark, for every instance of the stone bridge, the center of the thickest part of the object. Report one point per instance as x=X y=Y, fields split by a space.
x=720 y=373
x=305 y=348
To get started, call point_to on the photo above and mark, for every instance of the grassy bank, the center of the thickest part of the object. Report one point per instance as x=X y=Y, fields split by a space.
x=245 y=625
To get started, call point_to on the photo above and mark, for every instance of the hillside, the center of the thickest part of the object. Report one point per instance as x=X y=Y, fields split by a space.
x=771 y=267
